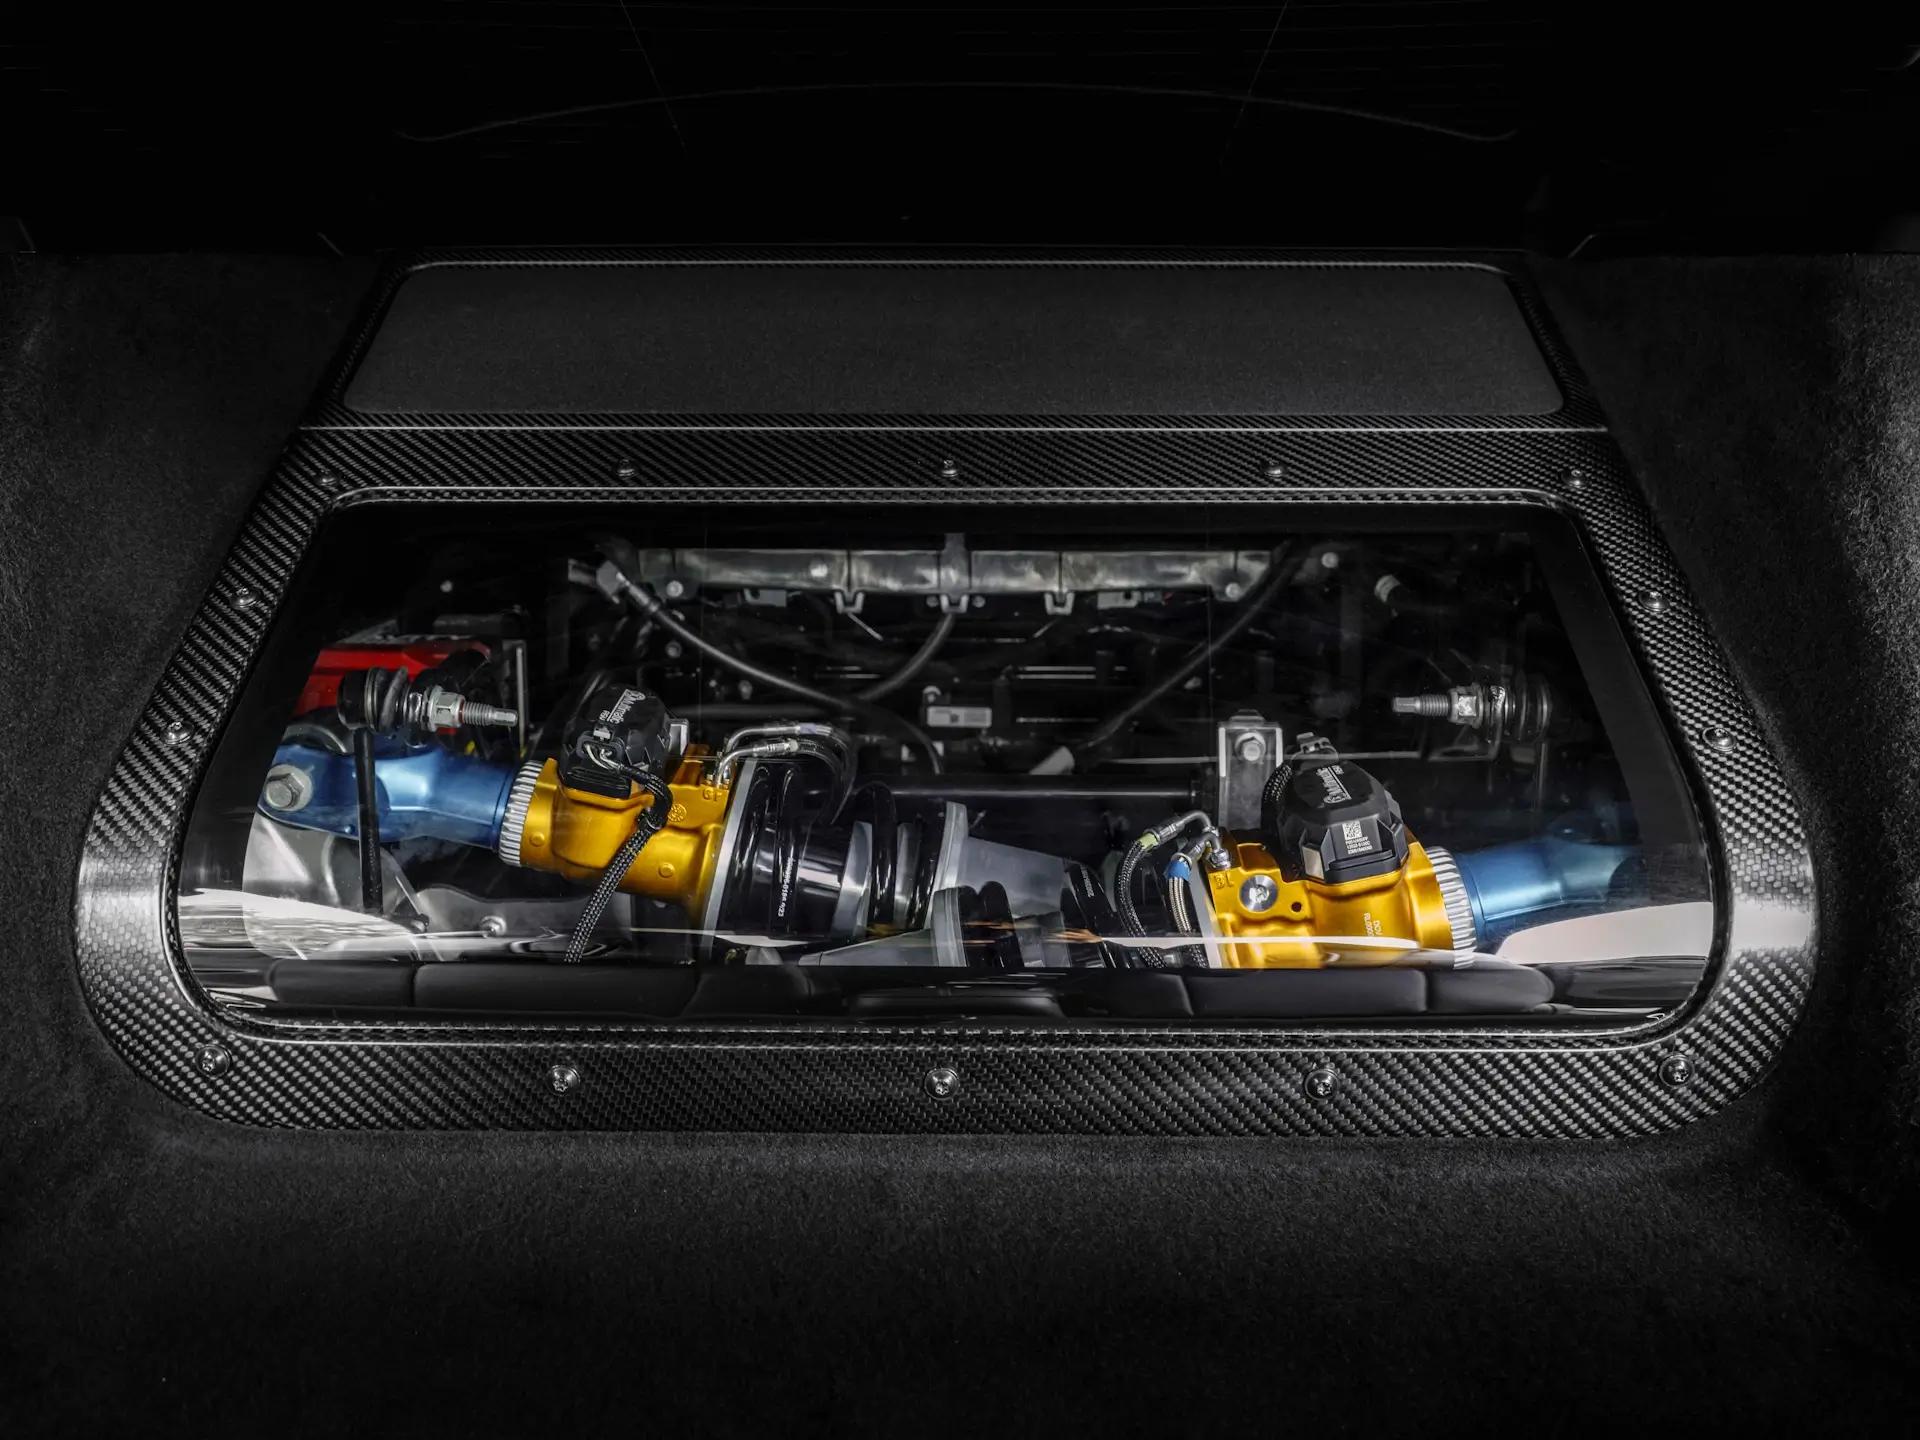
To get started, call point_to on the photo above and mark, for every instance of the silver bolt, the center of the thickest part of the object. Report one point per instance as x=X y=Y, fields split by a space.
x=563 y=1078
x=1330 y=560
x=625 y=470
x=979 y=602
x=1275 y=471
x=1717 y=738
x=1677 y=1071
x=243 y=598
x=817 y=570
x=493 y=926
x=287 y=787
x=1258 y=892
x=949 y=469
x=1251 y=749
x=1233 y=590
x=178 y=732
x=1653 y=602
x=1576 y=479
x=942 y=1083
x=675 y=589
x=446 y=587
x=673 y=650
x=1322 y=1082
x=213 y=1059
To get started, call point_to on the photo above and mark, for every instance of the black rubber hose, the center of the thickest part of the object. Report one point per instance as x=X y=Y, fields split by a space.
x=916 y=662
x=652 y=820
x=1023 y=789
x=1250 y=610
x=656 y=611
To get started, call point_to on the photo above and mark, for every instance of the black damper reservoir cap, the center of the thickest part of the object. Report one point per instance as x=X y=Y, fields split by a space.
x=620 y=729
x=1324 y=818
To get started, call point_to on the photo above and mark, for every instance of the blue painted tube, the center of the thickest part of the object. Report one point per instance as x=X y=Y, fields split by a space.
x=426 y=792
x=1505 y=882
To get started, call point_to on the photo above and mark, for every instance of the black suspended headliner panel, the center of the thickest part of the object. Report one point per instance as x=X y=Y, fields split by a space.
x=771 y=339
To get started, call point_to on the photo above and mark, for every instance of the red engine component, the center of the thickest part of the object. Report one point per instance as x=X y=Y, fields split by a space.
x=322 y=689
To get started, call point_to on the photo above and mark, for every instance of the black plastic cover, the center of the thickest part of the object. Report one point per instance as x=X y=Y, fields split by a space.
x=1327 y=819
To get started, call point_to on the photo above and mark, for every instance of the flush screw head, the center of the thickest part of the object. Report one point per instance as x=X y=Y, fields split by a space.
x=624 y=470
x=675 y=589
x=1677 y=1071
x=1718 y=739
x=178 y=732
x=1274 y=470
x=1654 y=602
x=563 y=1078
x=493 y=926
x=1576 y=478
x=949 y=469
x=329 y=483
x=244 y=598
x=1322 y=1083
x=942 y=1083
x=213 y=1059
x=1258 y=892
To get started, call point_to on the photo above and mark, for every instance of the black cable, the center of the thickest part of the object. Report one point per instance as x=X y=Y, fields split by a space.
x=656 y=611
x=1250 y=610
x=650 y=823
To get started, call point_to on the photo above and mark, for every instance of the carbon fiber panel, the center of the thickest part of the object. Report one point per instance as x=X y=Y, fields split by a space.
x=1534 y=1081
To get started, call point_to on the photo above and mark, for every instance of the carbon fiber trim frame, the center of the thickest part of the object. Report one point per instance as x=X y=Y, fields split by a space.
x=1545 y=1081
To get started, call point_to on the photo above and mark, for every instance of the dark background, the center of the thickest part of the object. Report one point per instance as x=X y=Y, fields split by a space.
x=159 y=1270
x=350 y=128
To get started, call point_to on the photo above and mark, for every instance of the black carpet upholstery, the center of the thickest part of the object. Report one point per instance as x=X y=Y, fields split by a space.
x=1772 y=410
x=158 y=1269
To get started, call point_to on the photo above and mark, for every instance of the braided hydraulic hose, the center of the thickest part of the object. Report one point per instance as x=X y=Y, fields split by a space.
x=651 y=822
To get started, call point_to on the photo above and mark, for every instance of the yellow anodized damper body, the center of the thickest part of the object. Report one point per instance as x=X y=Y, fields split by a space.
x=1335 y=878
x=572 y=814
x=575 y=832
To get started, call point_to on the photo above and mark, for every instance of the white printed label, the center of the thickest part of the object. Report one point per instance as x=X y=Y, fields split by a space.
x=959 y=717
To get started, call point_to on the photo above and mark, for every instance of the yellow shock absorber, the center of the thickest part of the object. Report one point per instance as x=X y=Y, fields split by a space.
x=1309 y=920
x=575 y=833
